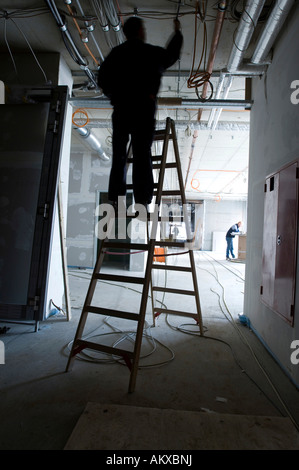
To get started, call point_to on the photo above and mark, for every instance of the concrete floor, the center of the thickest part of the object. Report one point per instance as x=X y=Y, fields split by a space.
x=180 y=370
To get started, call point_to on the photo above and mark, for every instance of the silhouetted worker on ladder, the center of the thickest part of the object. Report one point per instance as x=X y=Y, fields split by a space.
x=130 y=77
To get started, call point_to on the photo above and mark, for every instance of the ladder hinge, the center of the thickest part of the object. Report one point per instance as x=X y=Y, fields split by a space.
x=44 y=210
x=54 y=127
x=261 y=290
x=58 y=107
x=34 y=302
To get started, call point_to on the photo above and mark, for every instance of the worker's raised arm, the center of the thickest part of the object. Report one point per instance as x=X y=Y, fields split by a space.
x=173 y=49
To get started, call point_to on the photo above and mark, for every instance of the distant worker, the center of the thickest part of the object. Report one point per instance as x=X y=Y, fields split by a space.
x=130 y=77
x=175 y=232
x=230 y=235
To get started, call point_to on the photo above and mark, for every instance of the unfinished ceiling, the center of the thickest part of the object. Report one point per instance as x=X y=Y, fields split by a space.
x=225 y=43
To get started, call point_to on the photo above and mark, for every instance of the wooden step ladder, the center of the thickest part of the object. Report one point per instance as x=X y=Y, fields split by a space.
x=131 y=358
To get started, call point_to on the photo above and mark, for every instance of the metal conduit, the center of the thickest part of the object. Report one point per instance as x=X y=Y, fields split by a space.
x=91 y=33
x=245 y=30
x=93 y=142
x=69 y=43
x=275 y=21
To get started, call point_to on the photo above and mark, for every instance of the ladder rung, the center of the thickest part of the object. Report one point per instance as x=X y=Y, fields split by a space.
x=160 y=134
x=81 y=344
x=166 y=243
x=173 y=291
x=176 y=312
x=171 y=268
x=170 y=193
x=125 y=244
x=156 y=158
x=115 y=277
x=112 y=313
x=170 y=218
x=156 y=166
x=130 y=186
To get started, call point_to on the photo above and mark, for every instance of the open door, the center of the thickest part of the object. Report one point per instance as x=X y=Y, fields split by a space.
x=30 y=148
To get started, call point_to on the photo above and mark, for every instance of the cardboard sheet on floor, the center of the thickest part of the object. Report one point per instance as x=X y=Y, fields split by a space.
x=120 y=427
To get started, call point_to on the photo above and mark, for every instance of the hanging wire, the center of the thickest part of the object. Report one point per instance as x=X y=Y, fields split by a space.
x=9 y=16
x=8 y=47
x=199 y=78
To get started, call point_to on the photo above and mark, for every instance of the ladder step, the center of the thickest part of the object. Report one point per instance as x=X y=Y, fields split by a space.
x=176 y=312
x=160 y=134
x=170 y=218
x=170 y=193
x=82 y=344
x=126 y=245
x=114 y=277
x=170 y=244
x=154 y=158
x=156 y=166
x=174 y=291
x=171 y=268
x=130 y=186
x=112 y=313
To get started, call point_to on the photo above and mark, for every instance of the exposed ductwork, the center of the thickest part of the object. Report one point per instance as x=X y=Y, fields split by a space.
x=275 y=21
x=257 y=65
x=245 y=30
x=92 y=142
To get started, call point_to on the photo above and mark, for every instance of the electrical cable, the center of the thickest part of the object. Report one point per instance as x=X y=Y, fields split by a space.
x=199 y=78
x=125 y=333
x=69 y=43
x=8 y=16
x=245 y=341
x=8 y=47
x=80 y=34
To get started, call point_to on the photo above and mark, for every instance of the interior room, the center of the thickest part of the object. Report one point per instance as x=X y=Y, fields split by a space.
x=211 y=358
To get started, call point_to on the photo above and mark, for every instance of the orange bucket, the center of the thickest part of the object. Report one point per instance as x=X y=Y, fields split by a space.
x=161 y=253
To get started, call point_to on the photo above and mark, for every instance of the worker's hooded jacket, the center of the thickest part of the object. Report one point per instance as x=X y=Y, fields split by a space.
x=232 y=230
x=132 y=71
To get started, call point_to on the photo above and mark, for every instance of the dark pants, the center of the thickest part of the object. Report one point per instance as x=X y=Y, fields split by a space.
x=137 y=121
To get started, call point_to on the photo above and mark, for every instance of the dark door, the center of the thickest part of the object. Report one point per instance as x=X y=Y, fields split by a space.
x=30 y=147
x=280 y=241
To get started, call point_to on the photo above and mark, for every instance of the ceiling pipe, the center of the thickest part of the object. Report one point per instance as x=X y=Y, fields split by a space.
x=215 y=41
x=173 y=103
x=92 y=142
x=69 y=42
x=217 y=96
x=245 y=30
x=180 y=124
x=90 y=31
x=270 y=32
x=217 y=112
x=222 y=6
